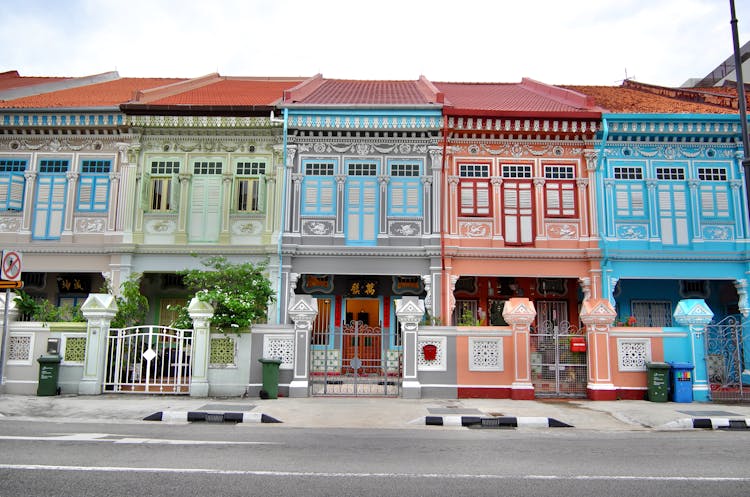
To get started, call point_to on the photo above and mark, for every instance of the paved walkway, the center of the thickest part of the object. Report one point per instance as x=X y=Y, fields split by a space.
x=625 y=415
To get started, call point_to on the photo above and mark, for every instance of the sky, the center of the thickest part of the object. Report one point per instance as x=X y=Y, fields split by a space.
x=585 y=42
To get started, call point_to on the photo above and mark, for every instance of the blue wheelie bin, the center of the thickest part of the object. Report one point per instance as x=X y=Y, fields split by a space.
x=682 y=381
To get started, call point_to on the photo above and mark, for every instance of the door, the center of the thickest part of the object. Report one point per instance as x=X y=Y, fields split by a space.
x=205 y=209
x=49 y=206
x=556 y=371
x=361 y=218
x=518 y=212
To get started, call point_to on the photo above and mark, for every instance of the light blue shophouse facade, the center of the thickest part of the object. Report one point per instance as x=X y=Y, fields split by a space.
x=673 y=217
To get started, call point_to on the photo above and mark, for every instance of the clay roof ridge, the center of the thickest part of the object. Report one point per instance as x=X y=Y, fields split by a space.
x=303 y=90
x=430 y=91
x=153 y=94
x=63 y=83
x=685 y=94
x=562 y=95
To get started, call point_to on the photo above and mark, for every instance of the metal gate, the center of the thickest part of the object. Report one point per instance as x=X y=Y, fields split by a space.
x=556 y=371
x=359 y=362
x=148 y=359
x=727 y=357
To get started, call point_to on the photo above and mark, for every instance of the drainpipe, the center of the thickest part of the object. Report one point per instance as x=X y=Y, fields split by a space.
x=444 y=202
x=282 y=225
x=600 y=209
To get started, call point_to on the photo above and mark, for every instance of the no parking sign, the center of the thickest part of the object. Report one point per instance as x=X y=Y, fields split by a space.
x=11 y=266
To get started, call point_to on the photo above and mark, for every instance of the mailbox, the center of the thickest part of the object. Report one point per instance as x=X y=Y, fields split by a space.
x=53 y=346
x=577 y=344
x=429 y=352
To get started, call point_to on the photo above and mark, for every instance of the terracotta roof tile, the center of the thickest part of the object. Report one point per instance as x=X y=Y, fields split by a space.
x=618 y=99
x=232 y=92
x=363 y=92
x=526 y=97
x=11 y=79
x=108 y=94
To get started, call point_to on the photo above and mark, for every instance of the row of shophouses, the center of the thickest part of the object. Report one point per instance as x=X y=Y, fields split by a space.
x=426 y=238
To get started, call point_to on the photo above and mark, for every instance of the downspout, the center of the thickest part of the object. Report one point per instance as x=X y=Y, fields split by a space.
x=601 y=207
x=282 y=225
x=444 y=202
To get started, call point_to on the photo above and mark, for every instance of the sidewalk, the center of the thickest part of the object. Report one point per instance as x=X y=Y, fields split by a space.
x=390 y=413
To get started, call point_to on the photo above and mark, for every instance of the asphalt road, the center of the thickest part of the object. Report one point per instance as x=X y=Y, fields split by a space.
x=64 y=459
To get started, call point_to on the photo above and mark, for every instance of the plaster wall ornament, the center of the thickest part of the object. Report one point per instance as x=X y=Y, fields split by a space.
x=451 y=294
x=90 y=225
x=10 y=224
x=597 y=313
x=693 y=312
x=592 y=159
x=427 y=280
x=585 y=283
x=744 y=306
x=519 y=312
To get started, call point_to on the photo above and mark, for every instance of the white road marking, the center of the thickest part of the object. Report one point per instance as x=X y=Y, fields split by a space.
x=118 y=439
x=315 y=474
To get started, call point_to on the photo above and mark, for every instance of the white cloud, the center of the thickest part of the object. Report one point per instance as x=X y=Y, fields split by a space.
x=574 y=41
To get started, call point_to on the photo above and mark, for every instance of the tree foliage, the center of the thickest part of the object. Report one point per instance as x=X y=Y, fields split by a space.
x=132 y=305
x=239 y=293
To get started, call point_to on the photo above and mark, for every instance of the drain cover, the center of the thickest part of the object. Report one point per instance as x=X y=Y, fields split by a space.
x=214 y=418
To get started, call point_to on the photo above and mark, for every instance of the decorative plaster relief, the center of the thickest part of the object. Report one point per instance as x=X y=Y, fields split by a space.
x=475 y=229
x=565 y=231
x=246 y=227
x=10 y=224
x=279 y=347
x=405 y=228
x=439 y=363
x=633 y=354
x=632 y=231
x=485 y=354
x=317 y=228
x=161 y=226
x=90 y=225
x=718 y=233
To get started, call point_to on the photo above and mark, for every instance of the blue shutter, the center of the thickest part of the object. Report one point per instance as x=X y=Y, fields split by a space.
x=93 y=193
x=405 y=197
x=318 y=197
x=49 y=207
x=12 y=186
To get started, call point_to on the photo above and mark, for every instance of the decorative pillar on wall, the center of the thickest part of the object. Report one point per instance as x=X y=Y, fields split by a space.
x=598 y=316
x=302 y=310
x=201 y=313
x=519 y=313
x=695 y=314
x=99 y=309
x=410 y=311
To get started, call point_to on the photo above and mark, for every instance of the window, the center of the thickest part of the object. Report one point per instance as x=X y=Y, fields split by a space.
x=12 y=183
x=560 y=191
x=651 y=313
x=518 y=204
x=93 y=186
x=670 y=173
x=714 y=193
x=712 y=174
x=404 y=189
x=621 y=172
x=319 y=189
x=207 y=168
x=50 y=199
x=630 y=198
x=162 y=185
x=248 y=186
x=474 y=190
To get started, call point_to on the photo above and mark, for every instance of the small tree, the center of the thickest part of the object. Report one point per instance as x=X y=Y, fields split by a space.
x=239 y=293
x=132 y=306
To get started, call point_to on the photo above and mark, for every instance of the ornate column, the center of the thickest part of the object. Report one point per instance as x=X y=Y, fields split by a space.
x=428 y=217
x=182 y=208
x=28 y=196
x=598 y=316
x=70 y=202
x=409 y=311
x=695 y=315
x=5 y=336
x=201 y=313
x=303 y=309
x=519 y=313
x=99 y=309
x=582 y=185
x=113 y=212
x=227 y=177
x=383 y=212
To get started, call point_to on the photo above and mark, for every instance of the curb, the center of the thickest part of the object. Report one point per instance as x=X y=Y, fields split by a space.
x=498 y=422
x=210 y=417
x=708 y=424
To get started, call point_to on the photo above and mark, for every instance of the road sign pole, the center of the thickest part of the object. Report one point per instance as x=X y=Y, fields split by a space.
x=4 y=342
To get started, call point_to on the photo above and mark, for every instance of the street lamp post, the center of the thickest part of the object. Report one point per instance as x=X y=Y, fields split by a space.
x=741 y=102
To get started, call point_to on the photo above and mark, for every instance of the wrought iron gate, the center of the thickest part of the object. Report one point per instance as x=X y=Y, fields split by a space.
x=359 y=362
x=148 y=359
x=727 y=357
x=556 y=371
